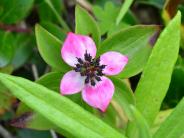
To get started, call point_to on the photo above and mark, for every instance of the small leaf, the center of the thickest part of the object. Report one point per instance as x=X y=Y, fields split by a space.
x=172 y=127
x=6 y=48
x=86 y=25
x=132 y=42
x=50 y=49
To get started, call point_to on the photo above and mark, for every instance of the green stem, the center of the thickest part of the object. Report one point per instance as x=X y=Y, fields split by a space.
x=61 y=21
x=126 y=5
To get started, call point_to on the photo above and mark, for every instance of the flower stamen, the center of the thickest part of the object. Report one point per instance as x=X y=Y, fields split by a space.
x=90 y=68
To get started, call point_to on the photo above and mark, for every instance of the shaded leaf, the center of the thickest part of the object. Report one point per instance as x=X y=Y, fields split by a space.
x=6 y=48
x=15 y=10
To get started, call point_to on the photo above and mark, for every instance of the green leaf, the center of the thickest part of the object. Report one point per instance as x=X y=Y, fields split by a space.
x=7 y=69
x=56 y=13
x=132 y=42
x=119 y=110
x=125 y=7
x=141 y=123
x=156 y=76
x=172 y=127
x=50 y=49
x=123 y=96
x=23 y=49
x=27 y=133
x=58 y=109
x=15 y=10
x=54 y=29
x=6 y=99
x=161 y=117
x=86 y=25
x=175 y=92
x=106 y=17
x=45 y=12
x=51 y=81
x=6 y=48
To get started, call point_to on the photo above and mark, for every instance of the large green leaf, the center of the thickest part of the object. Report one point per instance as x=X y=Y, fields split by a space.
x=132 y=42
x=37 y=121
x=57 y=109
x=86 y=25
x=172 y=127
x=156 y=76
x=14 y=10
x=6 y=48
x=50 y=49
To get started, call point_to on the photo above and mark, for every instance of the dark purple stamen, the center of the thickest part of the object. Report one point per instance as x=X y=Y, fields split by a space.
x=90 y=68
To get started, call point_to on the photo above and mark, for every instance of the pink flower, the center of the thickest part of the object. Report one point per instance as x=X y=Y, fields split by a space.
x=88 y=74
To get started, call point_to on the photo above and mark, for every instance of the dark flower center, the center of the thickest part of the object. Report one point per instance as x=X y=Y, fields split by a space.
x=90 y=68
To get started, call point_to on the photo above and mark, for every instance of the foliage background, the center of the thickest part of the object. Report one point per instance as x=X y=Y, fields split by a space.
x=21 y=55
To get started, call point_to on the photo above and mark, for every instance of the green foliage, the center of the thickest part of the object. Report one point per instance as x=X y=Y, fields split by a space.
x=156 y=76
x=23 y=44
x=132 y=42
x=14 y=10
x=172 y=127
x=125 y=7
x=139 y=114
x=157 y=73
x=72 y=115
x=107 y=18
x=6 y=48
x=86 y=25
x=49 y=47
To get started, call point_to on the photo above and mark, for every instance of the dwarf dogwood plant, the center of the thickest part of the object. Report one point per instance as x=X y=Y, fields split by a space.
x=100 y=67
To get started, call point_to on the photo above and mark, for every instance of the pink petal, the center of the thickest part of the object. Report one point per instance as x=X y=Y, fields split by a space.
x=72 y=82
x=100 y=95
x=75 y=46
x=114 y=61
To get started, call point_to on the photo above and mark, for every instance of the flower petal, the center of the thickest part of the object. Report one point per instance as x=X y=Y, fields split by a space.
x=72 y=82
x=75 y=46
x=100 y=95
x=114 y=61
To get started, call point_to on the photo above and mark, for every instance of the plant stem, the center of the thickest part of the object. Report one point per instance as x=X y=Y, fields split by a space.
x=125 y=7
x=5 y=133
x=13 y=28
x=35 y=71
x=53 y=134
